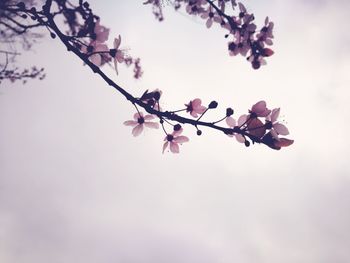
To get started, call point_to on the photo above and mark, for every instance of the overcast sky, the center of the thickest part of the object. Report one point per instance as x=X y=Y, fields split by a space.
x=75 y=186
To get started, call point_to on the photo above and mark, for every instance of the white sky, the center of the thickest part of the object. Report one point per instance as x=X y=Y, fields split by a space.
x=75 y=186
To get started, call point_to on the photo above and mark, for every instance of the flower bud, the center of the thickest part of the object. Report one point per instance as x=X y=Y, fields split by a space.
x=177 y=127
x=229 y=112
x=213 y=105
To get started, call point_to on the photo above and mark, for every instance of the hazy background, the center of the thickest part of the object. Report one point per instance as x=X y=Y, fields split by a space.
x=75 y=186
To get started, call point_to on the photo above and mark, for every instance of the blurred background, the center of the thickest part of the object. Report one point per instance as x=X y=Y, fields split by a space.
x=76 y=186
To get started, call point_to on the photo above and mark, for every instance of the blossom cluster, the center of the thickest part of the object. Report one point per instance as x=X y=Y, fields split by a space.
x=259 y=125
x=88 y=40
x=245 y=38
x=99 y=53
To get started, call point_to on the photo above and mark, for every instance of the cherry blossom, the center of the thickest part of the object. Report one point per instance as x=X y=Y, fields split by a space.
x=101 y=32
x=210 y=16
x=276 y=127
x=231 y=122
x=173 y=140
x=119 y=55
x=273 y=143
x=195 y=107
x=260 y=110
x=97 y=58
x=139 y=122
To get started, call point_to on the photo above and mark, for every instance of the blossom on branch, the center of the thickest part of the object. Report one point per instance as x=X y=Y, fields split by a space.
x=173 y=140
x=139 y=122
x=195 y=107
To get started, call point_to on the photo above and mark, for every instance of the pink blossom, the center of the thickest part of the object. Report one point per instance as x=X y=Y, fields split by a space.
x=231 y=122
x=266 y=34
x=119 y=55
x=210 y=16
x=255 y=127
x=173 y=140
x=195 y=107
x=101 y=32
x=139 y=122
x=260 y=110
x=270 y=141
x=97 y=58
x=277 y=128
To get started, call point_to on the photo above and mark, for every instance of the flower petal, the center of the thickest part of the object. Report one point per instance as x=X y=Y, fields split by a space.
x=152 y=125
x=181 y=139
x=136 y=131
x=274 y=114
x=96 y=59
x=209 y=23
x=283 y=142
x=256 y=128
x=117 y=42
x=280 y=129
x=242 y=119
x=148 y=117
x=165 y=145
x=137 y=116
x=231 y=121
x=196 y=102
x=259 y=107
x=130 y=123
x=174 y=147
x=240 y=138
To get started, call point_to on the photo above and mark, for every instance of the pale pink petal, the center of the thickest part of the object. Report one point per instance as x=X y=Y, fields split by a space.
x=283 y=142
x=200 y=109
x=242 y=119
x=165 y=145
x=256 y=128
x=117 y=42
x=130 y=123
x=181 y=139
x=174 y=147
x=196 y=103
x=152 y=125
x=242 y=7
x=96 y=59
x=136 y=131
x=176 y=133
x=240 y=138
x=194 y=114
x=137 y=116
x=119 y=56
x=148 y=117
x=274 y=135
x=101 y=47
x=280 y=129
x=259 y=107
x=209 y=23
x=231 y=121
x=274 y=115
x=116 y=66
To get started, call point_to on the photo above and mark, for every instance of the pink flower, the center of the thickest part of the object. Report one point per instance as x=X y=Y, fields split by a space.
x=270 y=141
x=277 y=128
x=173 y=140
x=101 y=32
x=266 y=34
x=210 y=16
x=195 y=107
x=260 y=110
x=99 y=58
x=119 y=55
x=231 y=122
x=140 y=121
x=256 y=128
